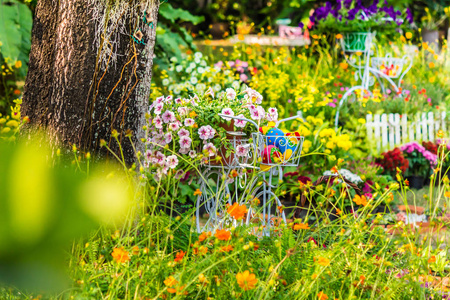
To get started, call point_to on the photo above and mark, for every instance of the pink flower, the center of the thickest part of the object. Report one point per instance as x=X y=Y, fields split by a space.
x=159 y=158
x=172 y=161
x=189 y=122
x=185 y=142
x=182 y=111
x=159 y=99
x=178 y=101
x=158 y=122
x=210 y=149
x=169 y=99
x=203 y=133
x=243 y=77
x=192 y=153
x=231 y=94
x=255 y=115
x=210 y=91
x=174 y=126
x=272 y=114
x=240 y=123
x=168 y=116
x=219 y=64
x=184 y=151
x=183 y=132
x=241 y=150
x=148 y=154
x=228 y=112
x=211 y=132
x=158 y=108
x=168 y=137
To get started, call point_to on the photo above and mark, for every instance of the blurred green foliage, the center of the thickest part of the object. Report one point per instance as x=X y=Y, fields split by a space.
x=44 y=208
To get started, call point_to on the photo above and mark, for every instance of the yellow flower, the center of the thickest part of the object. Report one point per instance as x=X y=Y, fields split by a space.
x=323 y=261
x=197 y=192
x=360 y=200
x=408 y=35
x=322 y=296
x=431 y=65
x=237 y=211
x=170 y=281
x=12 y=123
x=299 y=226
x=120 y=255
x=246 y=280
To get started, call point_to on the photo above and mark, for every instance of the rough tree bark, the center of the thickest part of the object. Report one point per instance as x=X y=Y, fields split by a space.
x=87 y=74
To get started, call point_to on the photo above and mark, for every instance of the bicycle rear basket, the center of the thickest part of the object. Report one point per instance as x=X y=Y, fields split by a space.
x=278 y=149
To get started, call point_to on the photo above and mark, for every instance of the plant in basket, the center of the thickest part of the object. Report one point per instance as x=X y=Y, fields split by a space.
x=420 y=163
x=183 y=131
x=356 y=16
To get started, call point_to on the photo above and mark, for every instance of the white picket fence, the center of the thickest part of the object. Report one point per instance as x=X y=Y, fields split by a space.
x=389 y=131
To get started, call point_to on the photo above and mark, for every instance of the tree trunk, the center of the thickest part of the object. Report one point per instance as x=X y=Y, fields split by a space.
x=87 y=74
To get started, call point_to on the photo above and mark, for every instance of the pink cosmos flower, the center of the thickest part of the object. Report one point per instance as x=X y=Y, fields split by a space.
x=189 y=122
x=210 y=149
x=240 y=123
x=183 y=132
x=243 y=77
x=228 y=112
x=231 y=94
x=168 y=116
x=241 y=150
x=172 y=161
x=185 y=142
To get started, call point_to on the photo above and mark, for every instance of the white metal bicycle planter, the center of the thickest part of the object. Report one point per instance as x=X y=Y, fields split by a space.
x=370 y=68
x=228 y=183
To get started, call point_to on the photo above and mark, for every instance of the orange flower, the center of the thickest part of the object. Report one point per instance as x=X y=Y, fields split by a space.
x=246 y=280
x=334 y=170
x=360 y=200
x=170 y=281
x=180 y=255
x=198 y=192
x=298 y=226
x=447 y=194
x=338 y=211
x=432 y=259
x=202 y=250
x=17 y=92
x=223 y=235
x=323 y=261
x=322 y=296
x=226 y=248
x=120 y=255
x=237 y=211
x=339 y=36
x=406 y=182
x=204 y=236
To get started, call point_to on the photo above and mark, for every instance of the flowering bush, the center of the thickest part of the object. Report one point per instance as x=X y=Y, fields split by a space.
x=354 y=15
x=420 y=160
x=393 y=159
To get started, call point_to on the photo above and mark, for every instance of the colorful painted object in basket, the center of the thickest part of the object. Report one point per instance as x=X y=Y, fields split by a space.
x=270 y=155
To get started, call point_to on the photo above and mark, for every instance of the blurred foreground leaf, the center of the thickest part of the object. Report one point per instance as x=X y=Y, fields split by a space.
x=43 y=208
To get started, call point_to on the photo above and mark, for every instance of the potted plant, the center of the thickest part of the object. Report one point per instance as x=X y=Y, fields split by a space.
x=430 y=25
x=358 y=22
x=420 y=162
x=391 y=161
x=181 y=131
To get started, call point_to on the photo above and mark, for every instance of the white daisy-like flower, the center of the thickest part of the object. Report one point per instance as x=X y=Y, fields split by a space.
x=179 y=68
x=193 y=80
x=198 y=55
x=166 y=81
x=235 y=85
